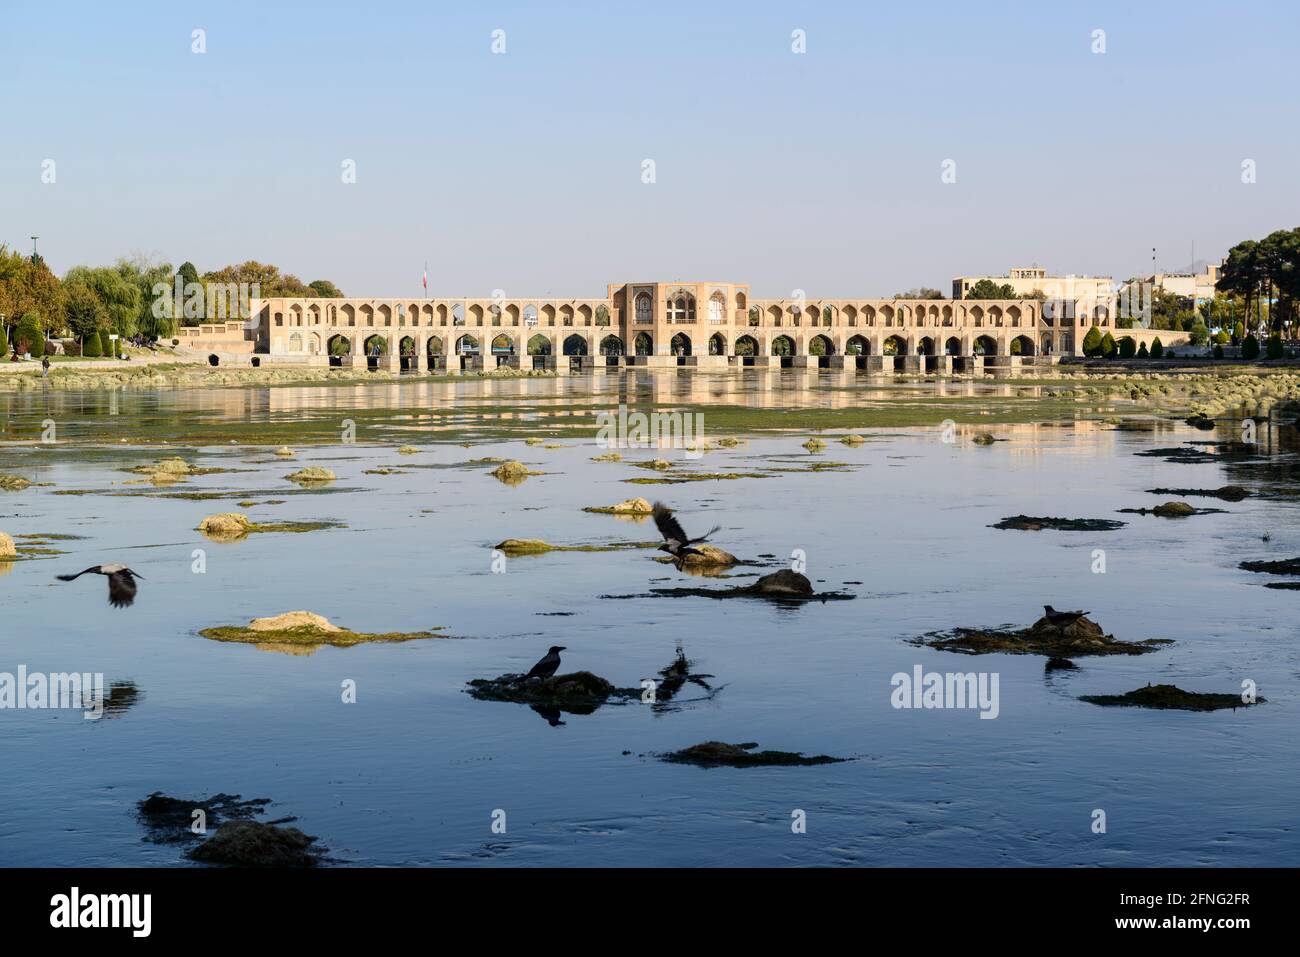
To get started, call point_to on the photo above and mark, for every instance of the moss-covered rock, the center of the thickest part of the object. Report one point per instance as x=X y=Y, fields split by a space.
x=984 y=438
x=852 y=440
x=707 y=554
x=718 y=754
x=1170 y=697
x=815 y=445
x=305 y=629
x=579 y=692
x=1174 y=510
x=784 y=582
x=311 y=475
x=254 y=844
x=512 y=472
x=1081 y=636
x=630 y=506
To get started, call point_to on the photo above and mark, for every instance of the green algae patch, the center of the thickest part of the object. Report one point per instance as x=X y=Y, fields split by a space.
x=519 y=547
x=302 y=628
x=232 y=526
x=386 y=470
x=1034 y=523
x=1284 y=566
x=719 y=754
x=852 y=440
x=607 y=457
x=985 y=438
x=815 y=445
x=657 y=465
x=1081 y=636
x=1170 y=698
x=682 y=478
x=729 y=442
x=13 y=483
x=409 y=450
x=579 y=692
x=27 y=547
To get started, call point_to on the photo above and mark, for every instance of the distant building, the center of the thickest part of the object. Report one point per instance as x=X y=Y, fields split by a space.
x=1197 y=286
x=1081 y=295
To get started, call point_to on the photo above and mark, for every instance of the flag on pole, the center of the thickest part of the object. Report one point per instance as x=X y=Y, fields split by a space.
x=425 y=280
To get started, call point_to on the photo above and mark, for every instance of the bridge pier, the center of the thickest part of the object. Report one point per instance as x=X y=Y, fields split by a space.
x=881 y=364
x=912 y=364
x=971 y=365
x=939 y=365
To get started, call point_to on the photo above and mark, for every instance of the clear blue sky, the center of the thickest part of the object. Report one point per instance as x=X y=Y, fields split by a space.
x=522 y=171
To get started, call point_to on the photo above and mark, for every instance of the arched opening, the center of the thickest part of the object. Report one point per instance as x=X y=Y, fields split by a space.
x=375 y=346
x=467 y=345
x=433 y=359
x=783 y=348
x=986 y=346
x=575 y=345
x=681 y=308
x=717 y=345
x=717 y=309
x=458 y=314
x=1022 y=346
x=821 y=346
x=539 y=345
x=643 y=307
x=295 y=342
x=643 y=345
x=894 y=346
x=953 y=346
x=338 y=347
x=530 y=316
x=503 y=350
x=680 y=345
x=857 y=346
x=925 y=347
x=611 y=347
x=746 y=347
x=406 y=354
x=349 y=315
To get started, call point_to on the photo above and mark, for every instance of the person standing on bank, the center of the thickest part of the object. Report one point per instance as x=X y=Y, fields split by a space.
x=45 y=367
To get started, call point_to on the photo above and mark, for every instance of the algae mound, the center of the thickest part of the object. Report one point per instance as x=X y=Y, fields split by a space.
x=1170 y=697
x=408 y=450
x=1034 y=523
x=1228 y=493
x=703 y=554
x=784 y=582
x=815 y=445
x=311 y=475
x=514 y=547
x=1083 y=636
x=233 y=526
x=1284 y=566
x=285 y=452
x=7 y=549
x=1171 y=510
x=984 y=438
x=630 y=506
x=718 y=754
x=304 y=629
x=730 y=442
x=512 y=472
x=13 y=483
x=607 y=457
x=852 y=440
x=246 y=843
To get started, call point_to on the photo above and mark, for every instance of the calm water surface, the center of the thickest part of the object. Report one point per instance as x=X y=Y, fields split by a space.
x=411 y=773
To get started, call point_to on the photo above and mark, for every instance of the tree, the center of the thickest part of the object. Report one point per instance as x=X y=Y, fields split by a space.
x=27 y=285
x=90 y=347
x=1238 y=333
x=326 y=289
x=29 y=337
x=1092 y=342
x=1250 y=347
x=1127 y=348
x=1142 y=351
x=1199 y=334
x=1218 y=350
x=1157 y=348
x=1108 y=346
x=118 y=292
x=1274 y=348
x=155 y=316
x=83 y=313
x=925 y=292
x=988 y=289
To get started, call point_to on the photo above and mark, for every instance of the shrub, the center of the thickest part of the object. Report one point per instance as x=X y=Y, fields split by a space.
x=1092 y=342
x=1238 y=332
x=1218 y=350
x=1142 y=351
x=1127 y=348
x=1108 y=346
x=1198 y=334
x=1250 y=347
x=1274 y=348
x=1157 y=348
x=1222 y=338
x=90 y=348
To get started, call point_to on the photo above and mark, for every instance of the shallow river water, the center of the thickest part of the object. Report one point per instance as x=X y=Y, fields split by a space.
x=412 y=772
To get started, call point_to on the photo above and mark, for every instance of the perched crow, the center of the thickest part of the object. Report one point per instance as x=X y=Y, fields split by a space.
x=549 y=664
x=121 y=583
x=676 y=543
x=1062 y=618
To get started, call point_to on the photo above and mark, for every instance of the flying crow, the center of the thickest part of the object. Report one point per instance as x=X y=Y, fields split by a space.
x=676 y=543
x=121 y=582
